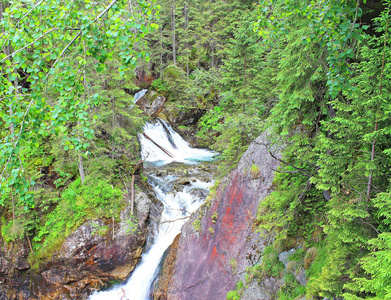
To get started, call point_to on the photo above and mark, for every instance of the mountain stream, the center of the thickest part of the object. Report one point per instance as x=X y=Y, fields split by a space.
x=181 y=179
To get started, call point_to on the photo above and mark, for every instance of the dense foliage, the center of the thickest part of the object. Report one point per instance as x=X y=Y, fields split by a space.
x=315 y=73
x=66 y=119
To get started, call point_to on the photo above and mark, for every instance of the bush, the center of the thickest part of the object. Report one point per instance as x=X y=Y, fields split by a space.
x=77 y=204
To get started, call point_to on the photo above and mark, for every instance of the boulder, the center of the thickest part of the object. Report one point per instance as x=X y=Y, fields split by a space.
x=152 y=103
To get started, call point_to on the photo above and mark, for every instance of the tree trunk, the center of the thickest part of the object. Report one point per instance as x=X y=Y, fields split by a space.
x=11 y=111
x=376 y=122
x=81 y=168
x=173 y=32
x=132 y=196
x=213 y=44
x=112 y=129
x=161 y=52
x=186 y=26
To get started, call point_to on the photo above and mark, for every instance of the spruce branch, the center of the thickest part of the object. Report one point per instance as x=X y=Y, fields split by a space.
x=380 y=93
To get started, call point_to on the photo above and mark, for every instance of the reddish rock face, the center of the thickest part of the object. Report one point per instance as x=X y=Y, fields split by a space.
x=208 y=262
x=143 y=79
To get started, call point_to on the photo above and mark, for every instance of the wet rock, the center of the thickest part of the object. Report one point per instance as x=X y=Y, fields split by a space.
x=301 y=276
x=183 y=181
x=4 y=266
x=160 y=292
x=22 y=264
x=152 y=103
x=183 y=120
x=188 y=117
x=295 y=268
x=198 y=193
x=14 y=270
x=143 y=79
x=203 y=268
x=265 y=290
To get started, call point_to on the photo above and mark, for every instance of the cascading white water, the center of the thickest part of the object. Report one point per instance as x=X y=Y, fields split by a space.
x=139 y=95
x=176 y=206
x=162 y=134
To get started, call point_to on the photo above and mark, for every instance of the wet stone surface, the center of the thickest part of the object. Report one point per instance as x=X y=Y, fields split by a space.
x=217 y=244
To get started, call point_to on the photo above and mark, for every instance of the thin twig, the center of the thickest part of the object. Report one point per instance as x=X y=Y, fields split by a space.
x=20 y=133
x=132 y=196
x=17 y=24
x=20 y=95
x=370 y=225
x=27 y=13
x=301 y=171
x=354 y=23
x=28 y=45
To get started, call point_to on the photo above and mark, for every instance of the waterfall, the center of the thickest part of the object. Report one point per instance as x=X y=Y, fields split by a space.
x=158 y=140
x=139 y=94
x=163 y=135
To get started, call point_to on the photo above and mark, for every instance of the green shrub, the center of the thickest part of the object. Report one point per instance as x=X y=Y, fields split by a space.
x=236 y=294
x=12 y=230
x=197 y=225
x=291 y=289
x=78 y=203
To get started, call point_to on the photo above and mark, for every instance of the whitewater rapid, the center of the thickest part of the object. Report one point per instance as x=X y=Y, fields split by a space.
x=161 y=145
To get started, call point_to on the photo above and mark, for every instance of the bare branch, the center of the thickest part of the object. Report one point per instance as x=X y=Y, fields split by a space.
x=172 y=221
x=21 y=95
x=374 y=228
x=27 y=13
x=301 y=171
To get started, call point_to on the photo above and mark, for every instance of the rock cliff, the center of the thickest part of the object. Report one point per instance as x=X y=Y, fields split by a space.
x=218 y=243
x=95 y=255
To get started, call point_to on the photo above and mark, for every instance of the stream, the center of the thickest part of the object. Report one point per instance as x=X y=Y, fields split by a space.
x=181 y=179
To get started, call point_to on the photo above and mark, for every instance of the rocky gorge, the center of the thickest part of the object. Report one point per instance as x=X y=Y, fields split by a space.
x=205 y=261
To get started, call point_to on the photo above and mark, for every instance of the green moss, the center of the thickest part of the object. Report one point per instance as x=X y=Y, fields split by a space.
x=297 y=256
x=12 y=230
x=104 y=230
x=237 y=293
x=255 y=172
x=215 y=217
x=234 y=265
x=197 y=225
x=271 y=265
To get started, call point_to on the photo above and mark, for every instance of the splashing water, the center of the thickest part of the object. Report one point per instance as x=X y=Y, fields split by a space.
x=178 y=149
x=177 y=206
